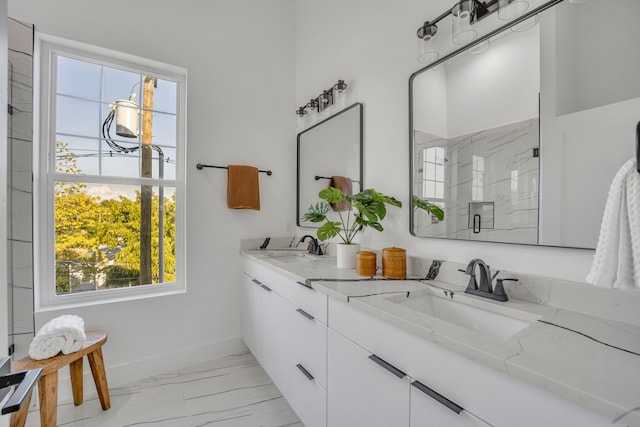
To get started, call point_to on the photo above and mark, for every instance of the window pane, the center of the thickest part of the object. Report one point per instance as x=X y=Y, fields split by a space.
x=168 y=165
x=430 y=154
x=439 y=173
x=164 y=129
x=120 y=164
x=431 y=171
x=77 y=155
x=97 y=236
x=164 y=97
x=77 y=117
x=78 y=78
x=120 y=84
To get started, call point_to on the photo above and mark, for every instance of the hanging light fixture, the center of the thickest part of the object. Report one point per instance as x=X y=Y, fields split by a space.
x=323 y=101
x=464 y=15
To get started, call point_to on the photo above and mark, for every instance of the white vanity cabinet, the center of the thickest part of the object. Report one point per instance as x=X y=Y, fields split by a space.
x=486 y=395
x=293 y=337
x=350 y=364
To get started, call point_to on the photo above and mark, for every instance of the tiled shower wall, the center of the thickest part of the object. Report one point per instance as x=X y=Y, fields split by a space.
x=507 y=180
x=20 y=183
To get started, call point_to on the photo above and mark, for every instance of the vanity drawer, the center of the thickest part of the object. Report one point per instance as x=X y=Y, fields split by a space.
x=296 y=292
x=308 y=338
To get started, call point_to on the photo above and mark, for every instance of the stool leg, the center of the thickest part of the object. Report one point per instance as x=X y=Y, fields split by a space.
x=75 y=368
x=18 y=419
x=96 y=362
x=48 y=393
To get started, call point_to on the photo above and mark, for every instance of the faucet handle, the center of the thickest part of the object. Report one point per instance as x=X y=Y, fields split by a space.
x=499 y=289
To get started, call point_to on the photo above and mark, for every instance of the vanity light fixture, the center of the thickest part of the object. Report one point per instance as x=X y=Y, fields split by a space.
x=323 y=101
x=464 y=14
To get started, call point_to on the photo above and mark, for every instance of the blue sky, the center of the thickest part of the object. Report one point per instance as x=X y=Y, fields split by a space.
x=81 y=111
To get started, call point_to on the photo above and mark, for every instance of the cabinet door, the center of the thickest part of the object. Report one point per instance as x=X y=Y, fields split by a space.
x=275 y=339
x=251 y=309
x=363 y=390
x=431 y=409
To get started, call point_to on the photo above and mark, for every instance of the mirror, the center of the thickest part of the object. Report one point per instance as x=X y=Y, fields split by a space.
x=331 y=148
x=519 y=143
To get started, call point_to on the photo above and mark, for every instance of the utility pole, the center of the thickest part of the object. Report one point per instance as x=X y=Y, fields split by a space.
x=146 y=191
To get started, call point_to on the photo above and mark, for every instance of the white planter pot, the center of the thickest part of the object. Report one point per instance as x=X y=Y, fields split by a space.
x=347 y=255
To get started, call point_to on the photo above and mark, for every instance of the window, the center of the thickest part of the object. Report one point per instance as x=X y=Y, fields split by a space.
x=433 y=161
x=112 y=145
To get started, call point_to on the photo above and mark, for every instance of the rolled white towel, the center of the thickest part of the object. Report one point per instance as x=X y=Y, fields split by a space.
x=63 y=334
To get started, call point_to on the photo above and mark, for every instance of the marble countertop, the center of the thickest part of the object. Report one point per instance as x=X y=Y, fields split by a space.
x=591 y=361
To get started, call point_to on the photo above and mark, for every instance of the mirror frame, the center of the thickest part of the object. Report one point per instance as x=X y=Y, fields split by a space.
x=358 y=105
x=439 y=61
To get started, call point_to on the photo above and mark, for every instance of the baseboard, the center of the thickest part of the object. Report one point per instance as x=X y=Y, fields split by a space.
x=136 y=370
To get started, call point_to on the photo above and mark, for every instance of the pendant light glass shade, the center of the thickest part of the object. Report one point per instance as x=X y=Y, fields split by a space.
x=427 y=52
x=462 y=17
x=509 y=9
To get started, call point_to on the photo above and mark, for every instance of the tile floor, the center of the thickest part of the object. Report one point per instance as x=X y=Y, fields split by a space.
x=232 y=391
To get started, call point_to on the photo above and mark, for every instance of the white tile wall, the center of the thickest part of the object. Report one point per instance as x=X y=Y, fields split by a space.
x=20 y=125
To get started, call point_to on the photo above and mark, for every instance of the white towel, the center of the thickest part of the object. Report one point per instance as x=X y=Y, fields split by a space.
x=616 y=263
x=63 y=334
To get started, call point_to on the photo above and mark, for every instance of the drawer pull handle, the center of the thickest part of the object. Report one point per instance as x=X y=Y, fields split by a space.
x=306 y=285
x=389 y=367
x=266 y=288
x=437 y=397
x=305 y=314
x=257 y=282
x=305 y=372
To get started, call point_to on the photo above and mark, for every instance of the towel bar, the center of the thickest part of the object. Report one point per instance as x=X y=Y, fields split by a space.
x=318 y=178
x=199 y=166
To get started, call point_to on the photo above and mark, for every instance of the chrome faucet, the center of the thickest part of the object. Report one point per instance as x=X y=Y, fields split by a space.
x=314 y=247
x=484 y=288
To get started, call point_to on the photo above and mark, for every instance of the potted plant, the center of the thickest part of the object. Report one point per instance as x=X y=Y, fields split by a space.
x=429 y=207
x=367 y=209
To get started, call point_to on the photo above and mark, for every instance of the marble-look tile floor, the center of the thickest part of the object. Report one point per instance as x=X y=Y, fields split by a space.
x=232 y=391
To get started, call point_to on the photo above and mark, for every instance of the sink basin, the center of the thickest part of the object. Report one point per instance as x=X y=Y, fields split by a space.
x=498 y=325
x=293 y=257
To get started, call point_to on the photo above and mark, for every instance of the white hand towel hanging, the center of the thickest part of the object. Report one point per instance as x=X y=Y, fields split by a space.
x=616 y=263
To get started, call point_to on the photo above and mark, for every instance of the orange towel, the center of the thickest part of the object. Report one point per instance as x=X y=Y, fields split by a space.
x=344 y=184
x=243 y=190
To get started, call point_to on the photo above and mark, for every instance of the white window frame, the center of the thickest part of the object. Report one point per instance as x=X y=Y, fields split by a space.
x=46 y=298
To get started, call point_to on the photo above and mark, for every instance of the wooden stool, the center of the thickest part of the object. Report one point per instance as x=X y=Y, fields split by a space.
x=48 y=382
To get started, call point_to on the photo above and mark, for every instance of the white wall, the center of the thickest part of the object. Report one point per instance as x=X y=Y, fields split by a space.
x=240 y=60
x=371 y=44
x=600 y=124
x=496 y=87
